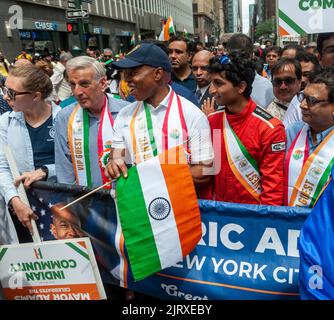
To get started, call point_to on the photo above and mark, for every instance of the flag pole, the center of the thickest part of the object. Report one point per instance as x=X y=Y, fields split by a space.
x=20 y=189
x=87 y=195
x=277 y=24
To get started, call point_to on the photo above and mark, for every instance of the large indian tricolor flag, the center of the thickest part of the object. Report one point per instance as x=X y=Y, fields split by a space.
x=159 y=213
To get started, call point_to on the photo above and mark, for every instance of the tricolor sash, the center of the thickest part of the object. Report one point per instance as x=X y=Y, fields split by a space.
x=78 y=138
x=307 y=176
x=242 y=164
x=174 y=130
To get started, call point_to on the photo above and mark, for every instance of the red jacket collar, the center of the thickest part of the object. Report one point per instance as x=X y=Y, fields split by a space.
x=241 y=117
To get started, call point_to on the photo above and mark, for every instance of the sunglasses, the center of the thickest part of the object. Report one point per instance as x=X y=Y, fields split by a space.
x=311 y=101
x=287 y=81
x=12 y=94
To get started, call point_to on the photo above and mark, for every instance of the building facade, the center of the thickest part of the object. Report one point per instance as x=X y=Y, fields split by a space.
x=204 y=21
x=265 y=9
x=209 y=21
x=42 y=23
x=252 y=21
x=232 y=17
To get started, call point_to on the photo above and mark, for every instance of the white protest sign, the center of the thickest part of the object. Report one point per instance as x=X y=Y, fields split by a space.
x=301 y=17
x=53 y=270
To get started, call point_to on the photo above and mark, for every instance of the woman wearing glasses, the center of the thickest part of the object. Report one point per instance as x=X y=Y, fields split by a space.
x=310 y=154
x=29 y=132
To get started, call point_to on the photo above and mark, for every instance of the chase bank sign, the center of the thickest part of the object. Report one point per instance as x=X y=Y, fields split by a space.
x=49 y=26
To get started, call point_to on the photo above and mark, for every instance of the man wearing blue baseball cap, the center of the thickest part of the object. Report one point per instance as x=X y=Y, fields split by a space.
x=144 y=54
x=159 y=119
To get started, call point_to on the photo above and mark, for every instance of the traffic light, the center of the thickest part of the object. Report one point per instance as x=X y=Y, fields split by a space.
x=72 y=27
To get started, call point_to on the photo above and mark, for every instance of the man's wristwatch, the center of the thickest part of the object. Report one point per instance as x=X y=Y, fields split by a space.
x=46 y=171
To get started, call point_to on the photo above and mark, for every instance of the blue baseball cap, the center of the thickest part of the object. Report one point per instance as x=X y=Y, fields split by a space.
x=145 y=54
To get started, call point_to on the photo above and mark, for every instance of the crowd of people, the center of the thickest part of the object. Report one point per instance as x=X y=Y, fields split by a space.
x=257 y=126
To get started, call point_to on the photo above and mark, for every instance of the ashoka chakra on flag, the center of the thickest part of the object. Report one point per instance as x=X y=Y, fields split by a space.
x=159 y=213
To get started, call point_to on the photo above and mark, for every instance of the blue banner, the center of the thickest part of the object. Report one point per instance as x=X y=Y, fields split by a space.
x=246 y=252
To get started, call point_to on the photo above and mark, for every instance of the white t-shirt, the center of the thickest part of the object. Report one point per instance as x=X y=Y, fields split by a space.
x=197 y=125
x=262 y=93
x=294 y=113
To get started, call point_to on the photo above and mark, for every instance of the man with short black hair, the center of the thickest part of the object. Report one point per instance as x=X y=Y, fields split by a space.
x=180 y=58
x=272 y=55
x=291 y=50
x=311 y=48
x=310 y=143
x=159 y=119
x=262 y=93
x=286 y=77
x=309 y=64
x=65 y=223
x=178 y=88
x=325 y=46
x=250 y=154
x=90 y=52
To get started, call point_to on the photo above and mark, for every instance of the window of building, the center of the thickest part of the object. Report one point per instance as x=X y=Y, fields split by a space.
x=196 y=22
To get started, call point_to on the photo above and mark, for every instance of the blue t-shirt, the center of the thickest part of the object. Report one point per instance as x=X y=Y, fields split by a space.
x=42 y=141
x=189 y=83
x=4 y=107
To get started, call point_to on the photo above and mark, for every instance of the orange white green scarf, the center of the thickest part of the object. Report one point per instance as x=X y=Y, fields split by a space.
x=78 y=137
x=242 y=164
x=174 y=130
x=307 y=175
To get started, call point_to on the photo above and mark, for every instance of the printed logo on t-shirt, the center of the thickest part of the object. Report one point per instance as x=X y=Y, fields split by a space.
x=277 y=147
x=52 y=133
